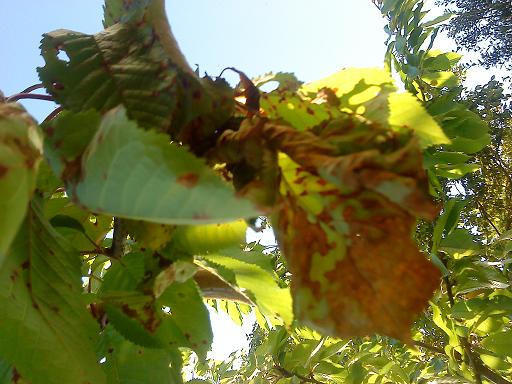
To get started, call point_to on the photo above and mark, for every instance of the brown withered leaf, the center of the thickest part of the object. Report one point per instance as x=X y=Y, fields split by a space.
x=349 y=199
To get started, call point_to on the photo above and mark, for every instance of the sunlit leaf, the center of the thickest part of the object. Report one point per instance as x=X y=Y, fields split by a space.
x=299 y=113
x=459 y=243
x=353 y=85
x=260 y=285
x=200 y=239
x=501 y=343
x=20 y=153
x=405 y=111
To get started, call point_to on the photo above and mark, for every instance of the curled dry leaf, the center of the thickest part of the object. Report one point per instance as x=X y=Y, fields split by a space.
x=344 y=221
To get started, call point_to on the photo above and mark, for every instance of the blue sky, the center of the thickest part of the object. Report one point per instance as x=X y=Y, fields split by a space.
x=312 y=39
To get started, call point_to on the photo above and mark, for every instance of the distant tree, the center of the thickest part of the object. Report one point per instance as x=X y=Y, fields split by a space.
x=484 y=26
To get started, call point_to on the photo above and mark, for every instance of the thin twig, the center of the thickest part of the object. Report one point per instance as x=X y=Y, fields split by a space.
x=118 y=239
x=52 y=114
x=489 y=373
x=288 y=373
x=22 y=95
x=465 y=344
x=97 y=251
x=33 y=88
x=484 y=212
x=431 y=348
x=479 y=365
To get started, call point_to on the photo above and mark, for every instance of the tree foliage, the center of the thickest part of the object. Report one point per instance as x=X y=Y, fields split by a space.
x=126 y=211
x=484 y=26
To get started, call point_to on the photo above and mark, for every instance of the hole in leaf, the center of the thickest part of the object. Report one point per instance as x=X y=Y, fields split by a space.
x=103 y=360
x=63 y=56
x=269 y=87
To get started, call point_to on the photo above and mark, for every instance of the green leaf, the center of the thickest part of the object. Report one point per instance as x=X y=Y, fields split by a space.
x=468 y=132
x=405 y=111
x=459 y=243
x=127 y=363
x=474 y=276
x=438 y=20
x=371 y=91
x=260 y=285
x=447 y=221
x=199 y=239
x=444 y=157
x=67 y=218
x=440 y=79
x=441 y=61
x=115 y=11
x=67 y=222
x=353 y=85
x=501 y=343
x=124 y=274
x=469 y=309
x=45 y=329
x=67 y=137
x=124 y=168
x=6 y=372
x=189 y=314
x=299 y=113
x=457 y=171
x=20 y=153
x=125 y=64
x=129 y=327
x=389 y=5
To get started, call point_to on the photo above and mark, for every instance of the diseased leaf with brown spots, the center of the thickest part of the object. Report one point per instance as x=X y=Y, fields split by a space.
x=20 y=154
x=344 y=222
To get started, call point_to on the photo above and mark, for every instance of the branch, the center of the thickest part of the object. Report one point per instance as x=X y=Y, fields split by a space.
x=52 y=114
x=22 y=95
x=486 y=216
x=32 y=88
x=465 y=344
x=287 y=373
x=479 y=368
x=118 y=239
x=489 y=373
x=158 y=18
x=431 y=348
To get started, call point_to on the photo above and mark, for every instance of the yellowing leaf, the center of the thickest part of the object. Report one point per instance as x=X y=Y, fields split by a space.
x=20 y=153
x=405 y=111
x=347 y=80
x=344 y=224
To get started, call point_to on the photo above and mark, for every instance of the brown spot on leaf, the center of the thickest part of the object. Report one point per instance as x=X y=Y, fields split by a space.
x=16 y=377
x=25 y=264
x=188 y=179
x=355 y=269
x=196 y=95
x=3 y=170
x=14 y=275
